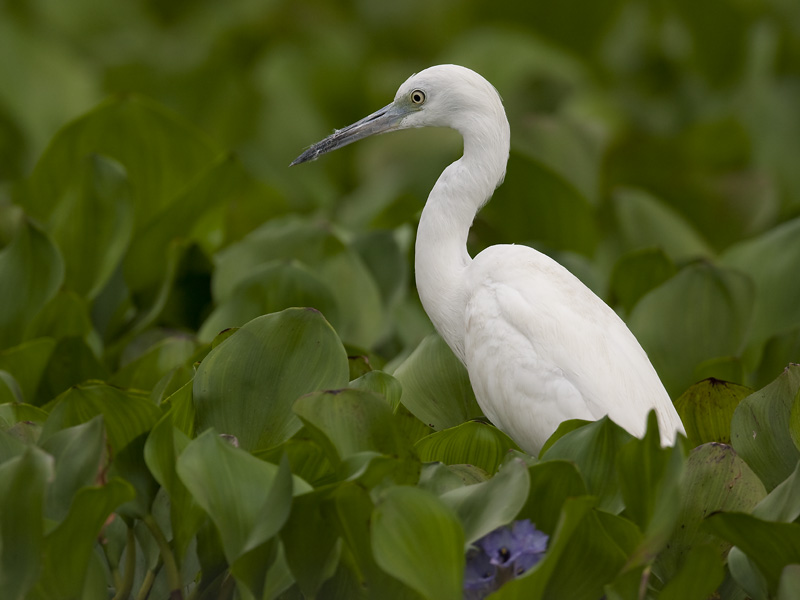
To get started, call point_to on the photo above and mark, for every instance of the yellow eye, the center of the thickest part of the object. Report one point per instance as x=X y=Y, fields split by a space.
x=417 y=97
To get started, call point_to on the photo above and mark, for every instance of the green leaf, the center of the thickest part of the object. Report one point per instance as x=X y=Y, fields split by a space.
x=68 y=548
x=380 y=383
x=247 y=385
x=145 y=371
x=767 y=259
x=782 y=503
x=160 y=151
x=552 y=482
x=22 y=488
x=436 y=387
x=269 y=288
x=72 y=362
x=27 y=363
x=707 y=408
x=310 y=543
x=698 y=578
x=350 y=421
x=65 y=315
x=648 y=478
x=127 y=414
x=484 y=507
x=714 y=479
x=23 y=296
x=164 y=445
x=360 y=312
x=247 y=499
x=196 y=213
x=92 y=223
x=473 y=443
x=551 y=209
x=709 y=311
x=78 y=452
x=771 y=546
x=533 y=585
x=594 y=448
x=418 y=540
x=638 y=272
x=645 y=222
x=789 y=583
x=760 y=429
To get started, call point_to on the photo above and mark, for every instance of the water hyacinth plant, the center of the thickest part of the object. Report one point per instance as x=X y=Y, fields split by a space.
x=504 y=554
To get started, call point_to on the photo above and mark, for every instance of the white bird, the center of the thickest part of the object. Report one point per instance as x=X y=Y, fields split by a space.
x=539 y=346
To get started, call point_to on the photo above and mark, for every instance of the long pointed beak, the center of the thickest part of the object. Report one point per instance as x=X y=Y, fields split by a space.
x=386 y=119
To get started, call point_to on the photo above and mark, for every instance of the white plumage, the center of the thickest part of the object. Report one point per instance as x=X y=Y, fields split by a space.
x=539 y=346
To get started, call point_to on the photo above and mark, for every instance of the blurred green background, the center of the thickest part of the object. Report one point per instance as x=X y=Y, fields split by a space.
x=655 y=147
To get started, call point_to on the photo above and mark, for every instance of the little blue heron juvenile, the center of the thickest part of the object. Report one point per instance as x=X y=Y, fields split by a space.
x=539 y=346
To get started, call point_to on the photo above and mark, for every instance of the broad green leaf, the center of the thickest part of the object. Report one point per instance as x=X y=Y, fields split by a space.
x=760 y=429
x=65 y=315
x=714 y=479
x=161 y=451
x=13 y=413
x=537 y=203
x=484 y=507
x=78 y=454
x=197 y=213
x=338 y=266
x=271 y=287
x=68 y=547
x=350 y=421
x=310 y=543
x=147 y=369
x=707 y=408
x=10 y=391
x=247 y=385
x=768 y=259
x=91 y=222
x=594 y=449
x=23 y=481
x=592 y=553
x=307 y=459
x=552 y=482
x=746 y=575
x=129 y=464
x=247 y=499
x=789 y=582
x=779 y=351
x=160 y=151
x=418 y=540
x=380 y=383
x=638 y=272
x=382 y=255
x=649 y=478
x=698 y=578
x=10 y=446
x=436 y=387
x=127 y=414
x=474 y=443
x=72 y=362
x=21 y=295
x=782 y=503
x=709 y=311
x=439 y=478
x=180 y=408
x=533 y=585
x=770 y=546
x=346 y=508
x=26 y=363
x=645 y=222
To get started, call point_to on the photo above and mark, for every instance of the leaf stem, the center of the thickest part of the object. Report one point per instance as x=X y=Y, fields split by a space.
x=124 y=590
x=170 y=564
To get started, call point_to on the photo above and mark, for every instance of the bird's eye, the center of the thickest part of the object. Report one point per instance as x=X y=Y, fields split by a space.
x=417 y=97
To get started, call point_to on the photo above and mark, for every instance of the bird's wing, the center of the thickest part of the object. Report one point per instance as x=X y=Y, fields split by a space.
x=541 y=348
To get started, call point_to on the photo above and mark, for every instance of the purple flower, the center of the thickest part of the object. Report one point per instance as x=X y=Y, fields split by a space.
x=502 y=555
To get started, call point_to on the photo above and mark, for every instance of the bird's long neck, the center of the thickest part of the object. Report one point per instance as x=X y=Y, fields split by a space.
x=441 y=256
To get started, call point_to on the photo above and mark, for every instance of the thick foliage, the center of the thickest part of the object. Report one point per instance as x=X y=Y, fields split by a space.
x=216 y=380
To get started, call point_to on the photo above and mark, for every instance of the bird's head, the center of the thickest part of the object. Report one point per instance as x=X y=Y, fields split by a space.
x=440 y=96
